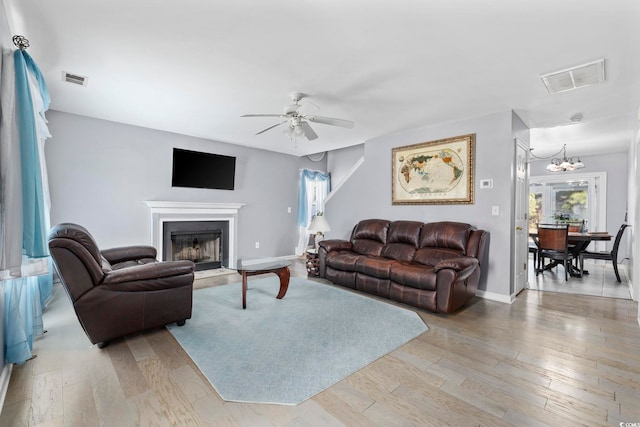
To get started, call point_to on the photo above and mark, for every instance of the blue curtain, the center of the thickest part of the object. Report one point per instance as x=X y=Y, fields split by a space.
x=29 y=288
x=305 y=176
x=34 y=217
x=25 y=299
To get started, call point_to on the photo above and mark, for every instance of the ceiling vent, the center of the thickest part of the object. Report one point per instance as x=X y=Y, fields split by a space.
x=575 y=77
x=74 y=78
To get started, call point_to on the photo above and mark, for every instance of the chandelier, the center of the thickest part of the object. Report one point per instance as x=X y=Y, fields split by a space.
x=565 y=164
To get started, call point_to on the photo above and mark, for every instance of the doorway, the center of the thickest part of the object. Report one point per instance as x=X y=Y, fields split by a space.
x=575 y=198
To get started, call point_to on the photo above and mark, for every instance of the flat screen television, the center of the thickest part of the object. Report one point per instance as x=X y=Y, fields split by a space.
x=203 y=170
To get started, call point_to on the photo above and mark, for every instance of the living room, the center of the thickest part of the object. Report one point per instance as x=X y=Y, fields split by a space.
x=101 y=172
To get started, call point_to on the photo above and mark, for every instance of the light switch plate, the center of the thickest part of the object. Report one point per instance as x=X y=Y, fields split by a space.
x=486 y=183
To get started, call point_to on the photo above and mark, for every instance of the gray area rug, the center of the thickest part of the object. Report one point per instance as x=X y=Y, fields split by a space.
x=285 y=351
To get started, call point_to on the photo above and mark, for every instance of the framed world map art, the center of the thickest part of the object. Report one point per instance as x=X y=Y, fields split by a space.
x=437 y=172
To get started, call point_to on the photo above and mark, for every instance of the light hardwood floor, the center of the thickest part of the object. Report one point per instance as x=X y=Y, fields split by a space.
x=548 y=359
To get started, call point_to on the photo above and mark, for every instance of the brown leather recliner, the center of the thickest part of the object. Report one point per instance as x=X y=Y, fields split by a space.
x=433 y=266
x=119 y=291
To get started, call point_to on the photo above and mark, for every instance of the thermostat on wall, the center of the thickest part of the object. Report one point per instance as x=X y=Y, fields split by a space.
x=486 y=183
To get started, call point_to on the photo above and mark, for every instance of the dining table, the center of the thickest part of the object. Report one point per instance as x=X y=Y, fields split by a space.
x=578 y=242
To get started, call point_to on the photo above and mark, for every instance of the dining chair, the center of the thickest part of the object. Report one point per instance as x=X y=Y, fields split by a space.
x=576 y=227
x=553 y=243
x=607 y=256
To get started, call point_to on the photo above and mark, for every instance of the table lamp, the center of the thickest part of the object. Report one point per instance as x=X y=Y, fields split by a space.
x=318 y=225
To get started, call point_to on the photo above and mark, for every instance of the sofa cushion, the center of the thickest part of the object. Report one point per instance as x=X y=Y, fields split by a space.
x=367 y=247
x=414 y=275
x=399 y=251
x=402 y=240
x=445 y=234
x=405 y=232
x=432 y=256
x=373 y=285
x=344 y=278
x=369 y=236
x=416 y=297
x=342 y=260
x=374 y=266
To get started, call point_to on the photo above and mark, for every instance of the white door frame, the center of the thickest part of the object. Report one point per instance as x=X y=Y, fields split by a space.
x=521 y=219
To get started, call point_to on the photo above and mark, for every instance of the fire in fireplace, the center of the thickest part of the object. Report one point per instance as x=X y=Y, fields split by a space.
x=203 y=242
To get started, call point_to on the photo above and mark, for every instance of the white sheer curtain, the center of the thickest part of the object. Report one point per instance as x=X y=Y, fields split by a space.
x=314 y=188
x=25 y=267
x=10 y=172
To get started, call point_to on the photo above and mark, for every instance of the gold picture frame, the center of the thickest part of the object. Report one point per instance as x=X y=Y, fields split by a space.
x=434 y=173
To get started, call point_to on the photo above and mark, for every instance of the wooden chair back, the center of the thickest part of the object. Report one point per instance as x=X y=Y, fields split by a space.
x=576 y=227
x=554 y=237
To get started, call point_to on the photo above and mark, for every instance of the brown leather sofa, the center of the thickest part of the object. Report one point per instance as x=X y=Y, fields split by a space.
x=433 y=266
x=119 y=291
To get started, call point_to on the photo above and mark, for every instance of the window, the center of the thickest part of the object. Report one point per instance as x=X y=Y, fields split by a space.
x=568 y=198
x=314 y=188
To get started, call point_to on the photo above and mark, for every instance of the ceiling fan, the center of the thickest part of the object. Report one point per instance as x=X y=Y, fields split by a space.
x=298 y=123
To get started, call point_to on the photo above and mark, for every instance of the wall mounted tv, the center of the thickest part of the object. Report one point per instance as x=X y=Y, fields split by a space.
x=202 y=170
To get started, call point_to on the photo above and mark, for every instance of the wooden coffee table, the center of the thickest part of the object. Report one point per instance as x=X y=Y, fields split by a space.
x=279 y=268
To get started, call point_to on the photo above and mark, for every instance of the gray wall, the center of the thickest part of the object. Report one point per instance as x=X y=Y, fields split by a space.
x=616 y=166
x=100 y=173
x=367 y=194
x=340 y=162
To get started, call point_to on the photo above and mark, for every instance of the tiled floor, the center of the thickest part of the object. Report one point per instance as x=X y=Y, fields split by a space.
x=601 y=280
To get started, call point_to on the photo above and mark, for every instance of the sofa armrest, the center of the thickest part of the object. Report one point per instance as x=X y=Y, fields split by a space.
x=458 y=264
x=335 y=245
x=148 y=272
x=455 y=282
x=127 y=253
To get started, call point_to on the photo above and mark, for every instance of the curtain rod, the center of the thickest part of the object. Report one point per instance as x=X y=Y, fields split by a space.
x=21 y=42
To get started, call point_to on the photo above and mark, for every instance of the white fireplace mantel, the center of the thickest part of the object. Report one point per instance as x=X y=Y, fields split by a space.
x=165 y=211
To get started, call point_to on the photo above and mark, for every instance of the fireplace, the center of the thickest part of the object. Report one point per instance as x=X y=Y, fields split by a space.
x=205 y=233
x=206 y=243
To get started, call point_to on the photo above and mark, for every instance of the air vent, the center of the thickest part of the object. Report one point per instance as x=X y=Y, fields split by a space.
x=575 y=77
x=74 y=78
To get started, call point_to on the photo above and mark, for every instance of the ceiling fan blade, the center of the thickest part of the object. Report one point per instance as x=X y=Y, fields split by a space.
x=263 y=115
x=331 y=121
x=271 y=127
x=308 y=132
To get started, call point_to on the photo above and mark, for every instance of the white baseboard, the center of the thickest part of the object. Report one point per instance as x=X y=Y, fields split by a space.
x=495 y=297
x=5 y=376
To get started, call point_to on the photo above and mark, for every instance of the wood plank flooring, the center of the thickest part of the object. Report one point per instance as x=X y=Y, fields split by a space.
x=548 y=359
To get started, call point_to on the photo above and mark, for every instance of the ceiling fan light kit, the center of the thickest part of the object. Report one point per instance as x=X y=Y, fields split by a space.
x=298 y=123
